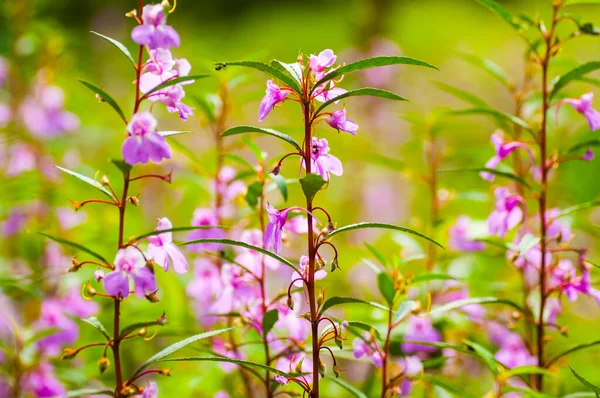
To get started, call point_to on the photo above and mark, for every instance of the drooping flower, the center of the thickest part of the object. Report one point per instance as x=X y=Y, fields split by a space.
x=420 y=329
x=143 y=143
x=507 y=215
x=338 y=121
x=273 y=95
x=503 y=149
x=318 y=63
x=323 y=163
x=277 y=219
x=129 y=263
x=204 y=217
x=154 y=32
x=328 y=95
x=583 y=105
x=367 y=346
x=461 y=238
x=304 y=268
x=161 y=247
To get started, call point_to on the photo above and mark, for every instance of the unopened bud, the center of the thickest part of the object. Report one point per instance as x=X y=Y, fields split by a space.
x=300 y=59
x=104 y=180
x=276 y=170
x=339 y=341
x=319 y=264
x=134 y=200
x=564 y=331
x=337 y=370
x=76 y=205
x=90 y=290
x=290 y=302
x=334 y=264
x=165 y=372
x=298 y=368
x=152 y=297
x=547 y=339
x=321 y=297
x=168 y=177
x=143 y=331
x=165 y=3
x=103 y=364
x=132 y=13
x=98 y=275
x=75 y=265
x=69 y=353
x=416 y=308
x=329 y=228
x=163 y=319
x=306 y=316
x=514 y=257
x=128 y=391
x=322 y=368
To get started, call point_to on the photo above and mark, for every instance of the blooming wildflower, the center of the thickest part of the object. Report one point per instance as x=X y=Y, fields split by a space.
x=150 y=391
x=68 y=218
x=14 y=222
x=507 y=214
x=129 y=262
x=274 y=95
x=143 y=143
x=420 y=329
x=460 y=239
x=154 y=32
x=42 y=382
x=207 y=281
x=338 y=121
x=367 y=346
x=239 y=290
x=583 y=105
x=411 y=365
x=299 y=225
x=43 y=112
x=503 y=149
x=327 y=95
x=281 y=379
x=289 y=320
x=322 y=163
x=513 y=352
x=22 y=159
x=587 y=156
x=565 y=278
x=324 y=60
x=161 y=247
x=304 y=268
x=252 y=259
x=204 y=217
x=277 y=219
x=557 y=229
x=221 y=347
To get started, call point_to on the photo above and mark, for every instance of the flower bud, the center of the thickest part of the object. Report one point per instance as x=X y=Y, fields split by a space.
x=322 y=368
x=339 y=341
x=300 y=59
x=75 y=265
x=91 y=292
x=276 y=170
x=334 y=264
x=98 y=275
x=166 y=4
x=152 y=297
x=104 y=180
x=128 y=391
x=337 y=370
x=165 y=372
x=143 y=331
x=132 y=13
x=306 y=316
x=319 y=264
x=564 y=331
x=321 y=297
x=69 y=353
x=329 y=228
x=290 y=302
x=298 y=368
x=76 y=205
x=103 y=364
x=417 y=308
x=134 y=200
x=163 y=319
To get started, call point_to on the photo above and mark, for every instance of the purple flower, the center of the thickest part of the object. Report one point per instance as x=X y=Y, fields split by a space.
x=53 y=317
x=338 y=121
x=367 y=346
x=150 y=391
x=289 y=320
x=161 y=247
x=22 y=159
x=324 y=60
x=15 y=221
x=583 y=105
x=513 y=352
x=503 y=149
x=411 y=365
x=327 y=95
x=420 y=329
x=143 y=143
x=129 y=263
x=206 y=283
x=277 y=219
x=507 y=215
x=281 y=379
x=460 y=237
x=304 y=268
x=569 y=283
x=274 y=95
x=322 y=163
x=588 y=155
x=224 y=349
x=44 y=115
x=556 y=229
x=42 y=382
x=154 y=32
x=204 y=217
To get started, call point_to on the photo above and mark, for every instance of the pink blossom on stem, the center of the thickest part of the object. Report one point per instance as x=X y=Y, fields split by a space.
x=42 y=382
x=366 y=346
x=304 y=268
x=204 y=217
x=161 y=247
x=277 y=219
x=325 y=59
x=323 y=163
x=129 y=263
x=461 y=238
x=143 y=143
x=154 y=32
x=507 y=215
x=338 y=121
x=328 y=95
x=420 y=329
x=43 y=112
x=273 y=95
x=503 y=149
x=583 y=105
x=206 y=283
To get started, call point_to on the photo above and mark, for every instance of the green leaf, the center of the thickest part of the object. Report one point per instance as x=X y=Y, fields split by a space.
x=247 y=246
x=161 y=355
x=256 y=151
x=572 y=2
x=311 y=184
x=121 y=165
x=139 y=325
x=106 y=98
x=376 y=253
x=432 y=277
x=176 y=229
x=501 y=12
x=486 y=111
x=485 y=355
x=461 y=94
x=585 y=145
x=88 y=392
x=269 y=320
x=254 y=192
x=76 y=246
x=579 y=207
x=382 y=226
x=490 y=67
x=251 y=129
x=229 y=360
x=281 y=185
x=370 y=63
x=373 y=92
x=206 y=106
x=334 y=301
x=173 y=81
x=404 y=309
x=363 y=326
x=459 y=392
x=561 y=81
x=293 y=70
x=495 y=172
x=239 y=160
x=95 y=322
x=119 y=45
x=386 y=287
x=479 y=300
x=348 y=387
x=170 y=133
x=275 y=72
x=525 y=370
x=586 y=383
x=571 y=350
x=88 y=181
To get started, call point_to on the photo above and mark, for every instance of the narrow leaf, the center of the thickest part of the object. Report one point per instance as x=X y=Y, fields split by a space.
x=178 y=346
x=372 y=92
x=170 y=133
x=88 y=181
x=436 y=381
x=486 y=111
x=89 y=392
x=371 y=63
x=579 y=207
x=95 y=322
x=311 y=184
x=461 y=94
x=485 y=355
x=501 y=12
x=117 y=44
x=274 y=72
x=586 y=383
x=386 y=287
x=136 y=326
x=173 y=81
x=490 y=67
x=251 y=129
x=561 y=81
x=382 y=226
x=106 y=98
x=281 y=185
x=271 y=317
x=571 y=2
x=348 y=387
x=525 y=370
x=293 y=70
x=583 y=145
x=376 y=253
x=176 y=229
x=495 y=172
x=76 y=246
x=229 y=360
x=253 y=194
x=571 y=350
x=334 y=301
x=121 y=165
x=480 y=300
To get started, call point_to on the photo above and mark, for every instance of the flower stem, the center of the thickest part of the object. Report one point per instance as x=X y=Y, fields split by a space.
x=386 y=350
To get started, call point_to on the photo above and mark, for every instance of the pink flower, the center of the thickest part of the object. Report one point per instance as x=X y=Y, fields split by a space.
x=69 y=218
x=204 y=217
x=411 y=365
x=568 y=282
x=420 y=329
x=154 y=32
x=513 y=352
x=22 y=159
x=41 y=381
x=289 y=364
x=327 y=95
x=277 y=219
x=44 y=115
x=338 y=121
x=289 y=320
x=507 y=215
x=281 y=379
x=367 y=346
x=503 y=149
x=556 y=229
x=161 y=247
x=460 y=237
x=324 y=60
x=274 y=95
x=206 y=283
x=252 y=259
x=98 y=275
x=143 y=143
x=583 y=105
x=322 y=163
x=129 y=263
x=224 y=349
x=588 y=155
x=304 y=268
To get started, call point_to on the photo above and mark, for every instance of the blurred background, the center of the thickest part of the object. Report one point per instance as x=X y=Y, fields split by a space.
x=383 y=165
